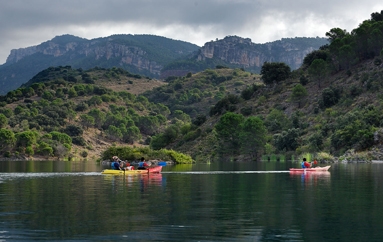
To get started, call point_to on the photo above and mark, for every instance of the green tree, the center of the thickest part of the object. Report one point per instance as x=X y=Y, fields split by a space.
x=287 y=140
x=227 y=130
x=87 y=121
x=148 y=124
x=8 y=139
x=180 y=115
x=228 y=103
x=316 y=54
x=298 y=94
x=72 y=93
x=7 y=112
x=48 y=95
x=316 y=142
x=277 y=121
x=3 y=121
x=73 y=130
x=253 y=136
x=336 y=33
x=29 y=151
x=99 y=117
x=44 y=149
x=330 y=97
x=94 y=101
x=26 y=138
x=62 y=138
x=354 y=134
x=158 y=142
x=275 y=72
x=346 y=56
x=132 y=134
x=318 y=70
x=114 y=133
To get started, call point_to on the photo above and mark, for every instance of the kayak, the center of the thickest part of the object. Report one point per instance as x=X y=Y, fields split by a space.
x=156 y=169
x=324 y=168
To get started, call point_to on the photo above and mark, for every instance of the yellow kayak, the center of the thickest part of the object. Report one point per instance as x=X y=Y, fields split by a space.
x=156 y=169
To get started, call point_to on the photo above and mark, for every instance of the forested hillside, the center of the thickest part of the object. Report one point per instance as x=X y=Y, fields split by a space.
x=71 y=113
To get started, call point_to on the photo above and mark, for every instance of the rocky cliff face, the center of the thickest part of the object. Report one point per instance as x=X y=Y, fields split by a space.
x=239 y=51
x=149 y=55
x=18 y=54
x=96 y=49
x=138 y=54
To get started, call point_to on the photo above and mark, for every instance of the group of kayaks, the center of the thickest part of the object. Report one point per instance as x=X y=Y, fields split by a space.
x=158 y=169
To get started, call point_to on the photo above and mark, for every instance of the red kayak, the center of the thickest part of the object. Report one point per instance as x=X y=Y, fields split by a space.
x=314 y=169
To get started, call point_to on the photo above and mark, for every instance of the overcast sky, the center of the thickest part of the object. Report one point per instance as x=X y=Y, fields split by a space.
x=25 y=23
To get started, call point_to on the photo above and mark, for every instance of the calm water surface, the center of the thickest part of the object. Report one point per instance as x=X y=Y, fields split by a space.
x=218 y=202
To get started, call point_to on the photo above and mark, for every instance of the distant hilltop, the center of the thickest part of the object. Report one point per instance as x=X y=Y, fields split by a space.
x=150 y=55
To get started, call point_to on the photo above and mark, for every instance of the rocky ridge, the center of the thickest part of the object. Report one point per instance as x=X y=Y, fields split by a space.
x=241 y=51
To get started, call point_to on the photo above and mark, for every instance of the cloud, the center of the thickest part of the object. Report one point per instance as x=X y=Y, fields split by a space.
x=195 y=21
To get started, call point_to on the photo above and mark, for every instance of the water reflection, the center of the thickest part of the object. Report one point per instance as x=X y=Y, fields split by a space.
x=312 y=178
x=132 y=180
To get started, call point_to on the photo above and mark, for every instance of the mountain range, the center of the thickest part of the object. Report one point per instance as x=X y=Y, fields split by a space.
x=149 y=55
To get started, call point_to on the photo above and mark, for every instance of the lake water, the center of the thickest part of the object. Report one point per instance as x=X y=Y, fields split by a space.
x=70 y=201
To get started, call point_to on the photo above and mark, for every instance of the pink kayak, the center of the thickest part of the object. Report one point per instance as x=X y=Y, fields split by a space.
x=324 y=168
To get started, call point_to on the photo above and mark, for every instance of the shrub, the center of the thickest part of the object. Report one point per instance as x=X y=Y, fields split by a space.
x=199 y=120
x=274 y=72
x=29 y=151
x=246 y=111
x=61 y=137
x=84 y=154
x=81 y=107
x=330 y=97
x=78 y=140
x=73 y=130
x=248 y=92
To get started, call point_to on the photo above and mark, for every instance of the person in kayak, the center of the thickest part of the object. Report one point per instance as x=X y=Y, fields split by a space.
x=127 y=166
x=115 y=163
x=142 y=164
x=305 y=164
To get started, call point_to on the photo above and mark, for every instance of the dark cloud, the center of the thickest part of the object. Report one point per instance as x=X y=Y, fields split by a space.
x=197 y=21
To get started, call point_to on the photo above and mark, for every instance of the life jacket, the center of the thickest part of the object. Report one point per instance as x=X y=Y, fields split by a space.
x=303 y=164
x=115 y=165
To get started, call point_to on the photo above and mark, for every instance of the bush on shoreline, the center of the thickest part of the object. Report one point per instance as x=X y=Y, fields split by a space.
x=134 y=154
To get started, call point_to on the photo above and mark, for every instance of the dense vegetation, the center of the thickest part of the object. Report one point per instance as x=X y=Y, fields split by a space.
x=47 y=117
x=135 y=153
